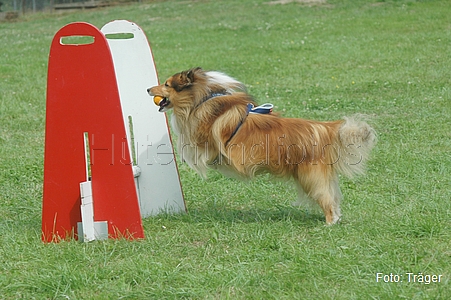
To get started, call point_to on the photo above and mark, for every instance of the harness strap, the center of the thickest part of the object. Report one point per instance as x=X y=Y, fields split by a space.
x=262 y=109
x=213 y=95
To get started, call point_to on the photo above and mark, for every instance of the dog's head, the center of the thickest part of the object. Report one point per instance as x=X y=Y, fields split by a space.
x=177 y=90
x=190 y=88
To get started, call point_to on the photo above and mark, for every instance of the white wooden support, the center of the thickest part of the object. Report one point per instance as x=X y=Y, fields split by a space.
x=88 y=229
x=87 y=212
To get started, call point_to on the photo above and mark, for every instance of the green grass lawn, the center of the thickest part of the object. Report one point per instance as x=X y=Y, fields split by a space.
x=390 y=60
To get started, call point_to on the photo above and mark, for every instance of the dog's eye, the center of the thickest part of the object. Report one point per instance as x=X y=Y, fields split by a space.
x=166 y=84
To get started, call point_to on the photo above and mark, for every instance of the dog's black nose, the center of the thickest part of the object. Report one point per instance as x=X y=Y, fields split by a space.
x=148 y=90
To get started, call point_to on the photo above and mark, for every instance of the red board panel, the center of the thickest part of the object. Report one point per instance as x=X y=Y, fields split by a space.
x=82 y=96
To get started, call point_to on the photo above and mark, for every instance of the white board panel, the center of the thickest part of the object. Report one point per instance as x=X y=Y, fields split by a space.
x=158 y=183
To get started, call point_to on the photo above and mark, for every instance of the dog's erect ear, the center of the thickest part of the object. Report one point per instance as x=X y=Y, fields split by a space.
x=186 y=78
x=190 y=74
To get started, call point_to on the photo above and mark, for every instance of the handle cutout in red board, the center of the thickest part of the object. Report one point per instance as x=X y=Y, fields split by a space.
x=77 y=40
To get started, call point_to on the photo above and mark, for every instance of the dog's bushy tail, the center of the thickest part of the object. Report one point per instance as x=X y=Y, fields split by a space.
x=356 y=139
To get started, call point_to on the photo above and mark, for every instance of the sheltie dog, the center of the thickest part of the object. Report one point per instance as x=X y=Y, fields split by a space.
x=217 y=128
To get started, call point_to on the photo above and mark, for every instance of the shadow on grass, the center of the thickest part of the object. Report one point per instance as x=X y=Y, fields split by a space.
x=258 y=215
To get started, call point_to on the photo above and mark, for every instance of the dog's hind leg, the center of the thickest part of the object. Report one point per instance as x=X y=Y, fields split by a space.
x=326 y=192
x=330 y=203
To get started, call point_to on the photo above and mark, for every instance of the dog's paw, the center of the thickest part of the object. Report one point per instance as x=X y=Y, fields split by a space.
x=335 y=220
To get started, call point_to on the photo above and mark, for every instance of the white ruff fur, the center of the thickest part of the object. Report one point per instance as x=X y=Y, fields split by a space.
x=229 y=83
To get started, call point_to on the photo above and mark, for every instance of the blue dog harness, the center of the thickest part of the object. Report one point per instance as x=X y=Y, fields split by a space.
x=262 y=109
